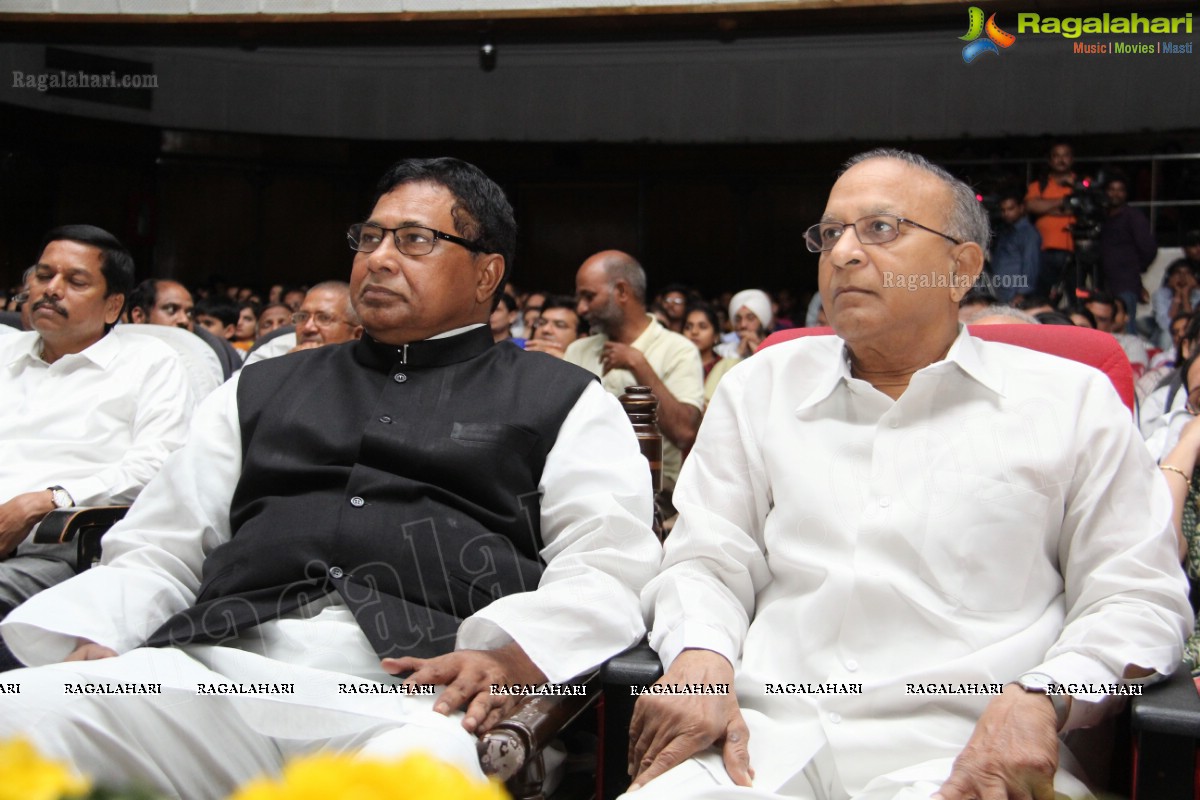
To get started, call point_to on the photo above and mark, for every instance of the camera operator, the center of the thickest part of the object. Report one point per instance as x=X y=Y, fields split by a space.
x=1048 y=200
x=1127 y=246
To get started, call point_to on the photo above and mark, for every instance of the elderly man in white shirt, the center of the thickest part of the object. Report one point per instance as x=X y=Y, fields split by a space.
x=89 y=417
x=973 y=555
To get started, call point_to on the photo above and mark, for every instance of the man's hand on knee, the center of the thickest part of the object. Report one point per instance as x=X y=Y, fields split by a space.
x=667 y=729
x=1013 y=752
x=468 y=676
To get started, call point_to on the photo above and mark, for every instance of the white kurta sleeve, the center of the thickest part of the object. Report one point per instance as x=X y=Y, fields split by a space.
x=599 y=549
x=714 y=563
x=1126 y=594
x=159 y=426
x=153 y=558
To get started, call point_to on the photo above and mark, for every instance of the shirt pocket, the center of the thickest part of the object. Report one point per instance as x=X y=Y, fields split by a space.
x=983 y=552
x=493 y=436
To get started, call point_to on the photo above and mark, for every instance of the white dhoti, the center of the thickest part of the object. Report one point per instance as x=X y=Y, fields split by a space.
x=185 y=741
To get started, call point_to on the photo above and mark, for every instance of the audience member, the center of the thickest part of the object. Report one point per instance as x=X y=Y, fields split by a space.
x=913 y=432
x=1016 y=251
x=1048 y=200
x=273 y=317
x=1191 y=250
x=246 y=330
x=556 y=328
x=1033 y=304
x=701 y=327
x=1160 y=411
x=750 y=311
x=1052 y=318
x=304 y=531
x=501 y=321
x=997 y=315
x=88 y=418
x=628 y=347
x=217 y=315
x=1179 y=294
x=1127 y=248
x=293 y=297
x=1108 y=313
x=1082 y=316
x=156 y=301
x=531 y=309
x=979 y=298
x=326 y=316
x=674 y=299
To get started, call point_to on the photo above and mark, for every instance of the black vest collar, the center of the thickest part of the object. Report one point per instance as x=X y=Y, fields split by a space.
x=426 y=353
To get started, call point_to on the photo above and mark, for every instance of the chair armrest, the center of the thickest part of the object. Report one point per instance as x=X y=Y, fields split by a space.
x=637 y=666
x=1166 y=727
x=507 y=749
x=83 y=525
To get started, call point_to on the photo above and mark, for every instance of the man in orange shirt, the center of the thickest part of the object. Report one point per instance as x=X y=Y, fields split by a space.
x=1047 y=200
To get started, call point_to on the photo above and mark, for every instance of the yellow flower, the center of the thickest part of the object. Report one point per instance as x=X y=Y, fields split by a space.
x=340 y=777
x=25 y=775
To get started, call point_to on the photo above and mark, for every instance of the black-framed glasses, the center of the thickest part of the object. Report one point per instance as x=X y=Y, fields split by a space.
x=875 y=229
x=412 y=240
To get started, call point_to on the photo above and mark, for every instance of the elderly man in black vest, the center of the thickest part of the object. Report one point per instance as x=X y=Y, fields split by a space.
x=402 y=505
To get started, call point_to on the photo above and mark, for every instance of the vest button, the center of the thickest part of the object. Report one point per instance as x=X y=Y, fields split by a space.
x=399 y=377
x=357 y=502
x=386 y=420
x=335 y=572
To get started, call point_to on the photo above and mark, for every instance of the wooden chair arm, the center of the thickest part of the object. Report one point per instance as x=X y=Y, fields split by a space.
x=512 y=750
x=82 y=525
x=1166 y=729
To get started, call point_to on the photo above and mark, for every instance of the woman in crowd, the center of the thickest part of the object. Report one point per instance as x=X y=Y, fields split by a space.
x=701 y=326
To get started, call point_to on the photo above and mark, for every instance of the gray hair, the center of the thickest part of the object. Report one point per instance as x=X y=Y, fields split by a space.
x=625 y=267
x=967 y=221
x=351 y=314
x=1002 y=311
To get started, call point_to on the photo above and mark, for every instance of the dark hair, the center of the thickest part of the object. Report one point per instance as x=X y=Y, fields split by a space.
x=709 y=312
x=1032 y=301
x=1014 y=194
x=508 y=300
x=144 y=296
x=1191 y=238
x=116 y=265
x=1082 y=311
x=979 y=294
x=686 y=291
x=554 y=301
x=222 y=308
x=1053 y=318
x=481 y=212
x=1176 y=264
x=1103 y=298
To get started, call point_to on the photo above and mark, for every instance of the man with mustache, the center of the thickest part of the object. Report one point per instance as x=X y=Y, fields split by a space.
x=420 y=502
x=88 y=417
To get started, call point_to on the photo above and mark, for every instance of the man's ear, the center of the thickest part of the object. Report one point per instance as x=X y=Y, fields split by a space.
x=112 y=308
x=229 y=332
x=137 y=316
x=357 y=332
x=968 y=264
x=491 y=272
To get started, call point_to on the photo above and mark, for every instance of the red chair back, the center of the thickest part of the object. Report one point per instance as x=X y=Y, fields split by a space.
x=1085 y=345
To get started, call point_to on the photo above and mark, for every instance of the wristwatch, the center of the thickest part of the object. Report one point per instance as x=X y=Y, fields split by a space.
x=1041 y=683
x=61 y=497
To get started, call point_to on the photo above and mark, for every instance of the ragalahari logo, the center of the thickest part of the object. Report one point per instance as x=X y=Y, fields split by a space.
x=995 y=40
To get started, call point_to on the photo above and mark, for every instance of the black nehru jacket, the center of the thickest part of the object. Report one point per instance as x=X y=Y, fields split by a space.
x=403 y=478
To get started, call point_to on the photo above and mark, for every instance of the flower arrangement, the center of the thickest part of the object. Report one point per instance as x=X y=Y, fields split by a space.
x=341 y=777
x=26 y=775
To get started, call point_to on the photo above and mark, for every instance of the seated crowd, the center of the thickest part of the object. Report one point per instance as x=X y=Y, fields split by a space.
x=421 y=476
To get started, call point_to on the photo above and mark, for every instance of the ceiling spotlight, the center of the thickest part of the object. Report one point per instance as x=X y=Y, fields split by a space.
x=487 y=52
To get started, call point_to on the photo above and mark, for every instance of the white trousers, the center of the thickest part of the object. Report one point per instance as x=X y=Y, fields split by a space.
x=185 y=745
x=704 y=776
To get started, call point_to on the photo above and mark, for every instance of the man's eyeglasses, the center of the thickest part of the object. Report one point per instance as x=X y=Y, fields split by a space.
x=875 y=229
x=412 y=240
x=321 y=319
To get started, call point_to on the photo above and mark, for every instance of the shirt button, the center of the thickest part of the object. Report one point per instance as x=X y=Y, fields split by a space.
x=835 y=717
x=884 y=501
x=335 y=572
x=357 y=502
x=399 y=377
x=386 y=420
x=852 y=665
